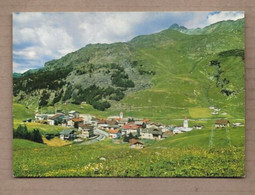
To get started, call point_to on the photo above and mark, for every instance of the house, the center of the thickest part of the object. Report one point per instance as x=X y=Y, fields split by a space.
x=214 y=113
x=73 y=114
x=222 y=123
x=211 y=107
x=112 y=122
x=114 y=134
x=94 y=121
x=177 y=131
x=67 y=134
x=41 y=117
x=198 y=126
x=86 y=130
x=87 y=118
x=140 y=124
x=124 y=121
x=56 y=119
x=113 y=118
x=237 y=124
x=151 y=133
x=102 y=123
x=135 y=144
x=130 y=128
x=76 y=121
x=113 y=127
x=146 y=120
x=171 y=127
x=151 y=125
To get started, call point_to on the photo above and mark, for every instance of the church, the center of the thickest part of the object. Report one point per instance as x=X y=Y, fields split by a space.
x=184 y=128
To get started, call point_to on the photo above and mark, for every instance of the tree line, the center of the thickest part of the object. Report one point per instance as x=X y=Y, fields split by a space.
x=22 y=133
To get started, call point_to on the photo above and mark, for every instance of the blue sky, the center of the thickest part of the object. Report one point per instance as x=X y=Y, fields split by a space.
x=40 y=37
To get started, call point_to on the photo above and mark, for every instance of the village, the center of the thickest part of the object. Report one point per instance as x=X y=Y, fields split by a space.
x=89 y=129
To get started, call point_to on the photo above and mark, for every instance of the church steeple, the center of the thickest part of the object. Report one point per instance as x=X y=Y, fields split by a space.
x=186 y=123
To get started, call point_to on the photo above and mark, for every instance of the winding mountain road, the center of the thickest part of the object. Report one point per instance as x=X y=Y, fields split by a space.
x=101 y=137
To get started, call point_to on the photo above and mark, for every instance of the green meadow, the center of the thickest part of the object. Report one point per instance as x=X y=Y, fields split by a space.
x=182 y=155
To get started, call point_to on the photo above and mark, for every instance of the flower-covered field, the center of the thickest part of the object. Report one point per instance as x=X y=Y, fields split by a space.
x=159 y=159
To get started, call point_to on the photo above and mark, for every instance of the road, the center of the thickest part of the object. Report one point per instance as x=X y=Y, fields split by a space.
x=101 y=136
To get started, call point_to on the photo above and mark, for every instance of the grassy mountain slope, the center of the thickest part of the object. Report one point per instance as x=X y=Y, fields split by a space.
x=173 y=73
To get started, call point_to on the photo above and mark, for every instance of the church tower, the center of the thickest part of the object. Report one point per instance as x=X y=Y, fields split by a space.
x=121 y=115
x=186 y=123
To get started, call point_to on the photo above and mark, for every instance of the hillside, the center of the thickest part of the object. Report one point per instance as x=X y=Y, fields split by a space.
x=182 y=155
x=162 y=76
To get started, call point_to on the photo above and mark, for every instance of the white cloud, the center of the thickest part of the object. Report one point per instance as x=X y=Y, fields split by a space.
x=19 y=67
x=196 y=19
x=220 y=16
x=109 y=27
x=202 y=19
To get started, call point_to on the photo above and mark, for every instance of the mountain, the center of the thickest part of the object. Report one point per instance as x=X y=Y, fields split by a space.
x=16 y=75
x=174 y=73
x=178 y=28
x=218 y=27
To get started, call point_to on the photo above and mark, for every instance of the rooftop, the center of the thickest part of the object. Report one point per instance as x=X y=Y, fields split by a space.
x=77 y=120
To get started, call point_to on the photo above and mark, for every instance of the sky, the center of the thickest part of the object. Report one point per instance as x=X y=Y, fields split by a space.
x=42 y=36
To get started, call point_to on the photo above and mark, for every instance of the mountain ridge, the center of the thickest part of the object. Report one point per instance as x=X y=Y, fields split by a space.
x=144 y=70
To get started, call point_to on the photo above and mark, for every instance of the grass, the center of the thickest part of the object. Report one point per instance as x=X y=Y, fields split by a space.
x=178 y=156
x=57 y=142
x=44 y=129
x=20 y=112
x=200 y=112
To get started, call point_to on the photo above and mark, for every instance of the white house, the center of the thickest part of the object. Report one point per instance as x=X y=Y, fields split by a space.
x=73 y=114
x=41 y=116
x=151 y=133
x=86 y=118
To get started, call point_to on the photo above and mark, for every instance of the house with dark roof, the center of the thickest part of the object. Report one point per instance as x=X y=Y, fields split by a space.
x=198 y=126
x=135 y=144
x=67 y=134
x=101 y=123
x=76 y=122
x=222 y=123
x=86 y=131
x=56 y=119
